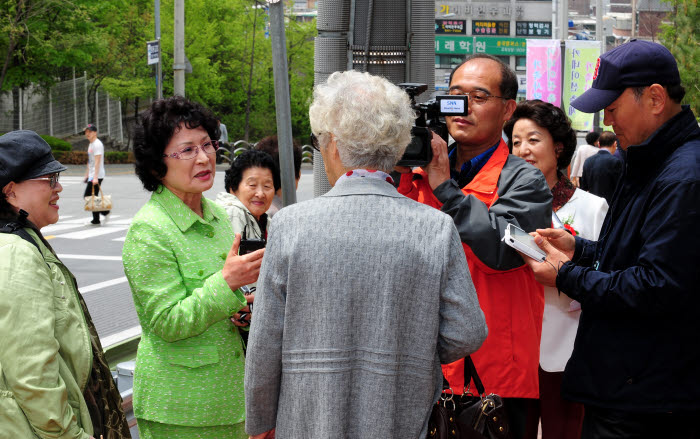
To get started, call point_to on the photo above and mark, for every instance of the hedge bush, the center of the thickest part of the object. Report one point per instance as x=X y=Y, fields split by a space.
x=57 y=144
x=119 y=157
x=71 y=157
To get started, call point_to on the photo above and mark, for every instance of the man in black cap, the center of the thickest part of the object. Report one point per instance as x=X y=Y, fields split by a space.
x=637 y=351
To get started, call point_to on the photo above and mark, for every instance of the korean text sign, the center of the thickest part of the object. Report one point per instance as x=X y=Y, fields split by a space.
x=544 y=70
x=579 y=66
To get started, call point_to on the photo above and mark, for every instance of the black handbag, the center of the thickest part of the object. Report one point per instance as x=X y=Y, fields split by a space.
x=468 y=416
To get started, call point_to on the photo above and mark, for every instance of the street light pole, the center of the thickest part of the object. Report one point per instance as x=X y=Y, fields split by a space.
x=282 y=104
x=159 y=65
x=179 y=49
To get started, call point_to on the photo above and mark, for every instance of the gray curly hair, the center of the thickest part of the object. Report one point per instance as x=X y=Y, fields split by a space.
x=369 y=117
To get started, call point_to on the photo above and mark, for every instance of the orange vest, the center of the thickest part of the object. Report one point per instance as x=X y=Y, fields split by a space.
x=512 y=301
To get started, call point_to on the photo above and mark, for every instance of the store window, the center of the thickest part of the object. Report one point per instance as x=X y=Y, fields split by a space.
x=504 y=59
x=520 y=63
x=448 y=61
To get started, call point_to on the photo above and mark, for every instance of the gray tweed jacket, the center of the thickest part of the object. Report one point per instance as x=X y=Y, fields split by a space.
x=362 y=294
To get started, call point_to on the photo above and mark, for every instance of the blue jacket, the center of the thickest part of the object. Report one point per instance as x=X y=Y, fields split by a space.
x=638 y=344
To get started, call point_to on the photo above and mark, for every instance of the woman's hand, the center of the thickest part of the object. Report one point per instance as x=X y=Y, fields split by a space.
x=244 y=269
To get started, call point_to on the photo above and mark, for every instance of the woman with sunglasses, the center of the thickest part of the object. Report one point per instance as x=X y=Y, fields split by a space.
x=54 y=381
x=181 y=259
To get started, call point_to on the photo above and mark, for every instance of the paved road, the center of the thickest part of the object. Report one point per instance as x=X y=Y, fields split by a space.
x=93 y=253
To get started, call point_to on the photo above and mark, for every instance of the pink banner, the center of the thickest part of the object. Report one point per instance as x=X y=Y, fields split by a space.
x=544 y=70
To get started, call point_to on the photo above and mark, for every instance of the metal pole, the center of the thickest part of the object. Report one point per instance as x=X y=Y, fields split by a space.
x=159 y=66
x=634 y=18
x=86 y=99
x=75 y=103
x=21 y=110
x=121 y=125
x=50 y=115
x=109 y=125
x=282 y=104
x=179 y=49
x=97 y=111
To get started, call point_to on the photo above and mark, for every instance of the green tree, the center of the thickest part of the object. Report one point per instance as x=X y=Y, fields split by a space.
x=224 y=42
x=42 y=40
x=680 y=36
x=122 y=28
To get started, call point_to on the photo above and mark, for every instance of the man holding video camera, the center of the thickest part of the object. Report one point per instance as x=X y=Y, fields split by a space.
x=484 y=188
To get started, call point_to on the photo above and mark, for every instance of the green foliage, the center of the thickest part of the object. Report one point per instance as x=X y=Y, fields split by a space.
x=224 y=40
x=71 y=157
x=57 y=144
x=219 y=44
x=42 y=39
x=118 y=157
x=680 y=36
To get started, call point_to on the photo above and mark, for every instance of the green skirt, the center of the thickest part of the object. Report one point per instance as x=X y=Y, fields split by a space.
x=156 y=430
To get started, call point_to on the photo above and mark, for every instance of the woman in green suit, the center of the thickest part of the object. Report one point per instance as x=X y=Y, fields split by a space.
x=180 y=257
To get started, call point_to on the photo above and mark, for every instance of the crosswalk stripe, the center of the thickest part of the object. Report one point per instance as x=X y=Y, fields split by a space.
x=91 y=257
x=101 y=285
x=91 y=233
x=120 y=336
x=75 y=223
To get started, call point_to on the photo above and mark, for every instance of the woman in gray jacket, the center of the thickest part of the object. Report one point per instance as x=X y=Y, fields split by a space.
x=363 y=293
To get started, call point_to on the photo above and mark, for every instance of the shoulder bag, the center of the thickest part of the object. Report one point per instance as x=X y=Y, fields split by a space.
x=468 y=416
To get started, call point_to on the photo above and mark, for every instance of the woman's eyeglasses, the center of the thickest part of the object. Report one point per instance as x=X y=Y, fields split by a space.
x=52 y=179
x=190 y=152
x=314 y=142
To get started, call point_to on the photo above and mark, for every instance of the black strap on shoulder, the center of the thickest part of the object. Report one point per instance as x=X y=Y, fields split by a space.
x=15 y=227
x=469 y=375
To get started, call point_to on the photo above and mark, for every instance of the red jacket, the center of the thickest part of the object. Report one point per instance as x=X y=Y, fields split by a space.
x=506 y=190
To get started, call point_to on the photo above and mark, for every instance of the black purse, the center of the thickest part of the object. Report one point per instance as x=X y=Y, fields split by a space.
x=468 y=416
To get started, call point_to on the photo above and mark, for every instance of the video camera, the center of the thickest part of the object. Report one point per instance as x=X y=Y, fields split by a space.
x=430 y=118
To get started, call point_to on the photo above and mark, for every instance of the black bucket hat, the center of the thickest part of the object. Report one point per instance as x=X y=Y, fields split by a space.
x=25 y=155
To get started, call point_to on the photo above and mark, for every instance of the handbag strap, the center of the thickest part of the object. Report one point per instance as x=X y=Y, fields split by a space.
x=469 y=375
x=99 y=190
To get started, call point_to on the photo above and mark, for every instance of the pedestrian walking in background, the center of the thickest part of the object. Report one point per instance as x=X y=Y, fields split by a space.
x=541 y=134
x=54 y=380
x=363 y=292
x=181 y=259
x=582 y=153
x=95 y=171
x=484 y=188
x=602 y=170
x=638 y=284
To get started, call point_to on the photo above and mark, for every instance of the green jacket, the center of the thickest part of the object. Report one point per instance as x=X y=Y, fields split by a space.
x=45 y=352
x=190 y=363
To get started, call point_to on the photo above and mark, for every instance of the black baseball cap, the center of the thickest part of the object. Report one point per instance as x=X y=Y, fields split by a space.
x=90 y=127
x=25 y=155
x=637 y=63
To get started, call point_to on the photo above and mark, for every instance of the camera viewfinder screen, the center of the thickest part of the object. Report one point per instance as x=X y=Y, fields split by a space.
x=453 y=104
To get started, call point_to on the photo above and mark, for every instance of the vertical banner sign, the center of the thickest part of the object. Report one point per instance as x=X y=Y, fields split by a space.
x=580 y=59
x=153 y=51
x=544 y=70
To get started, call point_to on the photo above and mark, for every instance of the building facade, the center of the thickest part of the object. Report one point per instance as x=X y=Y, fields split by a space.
x=495 y=28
